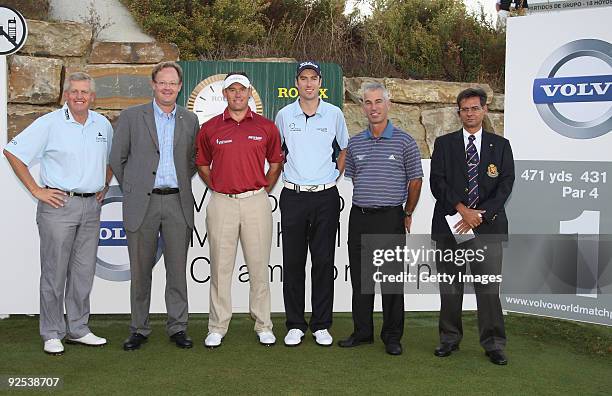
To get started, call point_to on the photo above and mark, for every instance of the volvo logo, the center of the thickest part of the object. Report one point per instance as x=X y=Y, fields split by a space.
x=551 y=92
x=112 y=236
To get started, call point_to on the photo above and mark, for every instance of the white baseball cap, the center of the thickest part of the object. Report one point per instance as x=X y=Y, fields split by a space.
x=236 y=78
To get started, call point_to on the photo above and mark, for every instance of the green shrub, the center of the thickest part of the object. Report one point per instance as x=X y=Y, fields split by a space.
x=201 y=28
x=437 y=39
x=423 y=39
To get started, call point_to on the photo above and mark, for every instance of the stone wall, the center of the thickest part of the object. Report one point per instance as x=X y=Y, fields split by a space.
x=54 y=49
x=425 y=109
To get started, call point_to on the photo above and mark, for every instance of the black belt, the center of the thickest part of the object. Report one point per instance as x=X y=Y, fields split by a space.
x=165 y=191
x=376 y=210
x=74 y=194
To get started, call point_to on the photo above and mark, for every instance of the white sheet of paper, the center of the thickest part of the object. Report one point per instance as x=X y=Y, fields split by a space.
x=460 y=238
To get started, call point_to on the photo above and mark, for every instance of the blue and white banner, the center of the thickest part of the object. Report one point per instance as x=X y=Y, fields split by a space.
x=558 y=117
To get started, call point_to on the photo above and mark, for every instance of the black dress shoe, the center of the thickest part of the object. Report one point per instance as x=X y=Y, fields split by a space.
x=497 y=357
x=393 y=348
x=445 y=349
x=134 y=342
x=351 y=341
x=181 y=340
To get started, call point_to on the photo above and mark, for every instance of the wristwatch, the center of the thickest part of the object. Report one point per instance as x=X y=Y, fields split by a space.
x=407 y=214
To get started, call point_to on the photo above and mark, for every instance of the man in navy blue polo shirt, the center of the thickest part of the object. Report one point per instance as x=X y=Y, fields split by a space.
x=313 y=132
x=384 y=164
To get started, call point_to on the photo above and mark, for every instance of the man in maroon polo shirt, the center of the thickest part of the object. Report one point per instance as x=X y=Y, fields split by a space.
x=231 y=152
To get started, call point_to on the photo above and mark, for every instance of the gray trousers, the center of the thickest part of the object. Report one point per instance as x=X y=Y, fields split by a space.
x=164 y=216
x=68 y=246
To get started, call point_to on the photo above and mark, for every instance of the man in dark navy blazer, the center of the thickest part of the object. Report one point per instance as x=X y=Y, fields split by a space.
x=472 y=173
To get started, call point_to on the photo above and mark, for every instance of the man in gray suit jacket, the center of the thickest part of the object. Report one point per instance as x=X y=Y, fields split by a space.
x=153 y=158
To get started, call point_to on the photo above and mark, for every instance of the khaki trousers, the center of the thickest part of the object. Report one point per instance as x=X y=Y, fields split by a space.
x=250 y=221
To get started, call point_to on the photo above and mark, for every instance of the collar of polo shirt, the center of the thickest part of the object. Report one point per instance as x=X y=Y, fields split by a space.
x=226 y=115
x=69 y=118
x=387 y=133
x=321 y=108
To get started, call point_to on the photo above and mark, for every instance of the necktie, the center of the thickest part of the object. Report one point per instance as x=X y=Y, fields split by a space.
x=472 y=159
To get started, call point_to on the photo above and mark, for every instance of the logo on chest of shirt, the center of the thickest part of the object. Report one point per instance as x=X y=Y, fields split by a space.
x=100 y=138
x=256 y=138
x=323 y=129
x=224 y=141
x=392 y=157
x=293 y=128
x=360 y=157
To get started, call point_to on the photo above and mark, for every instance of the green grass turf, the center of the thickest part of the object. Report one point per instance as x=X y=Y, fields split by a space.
x=546 y=356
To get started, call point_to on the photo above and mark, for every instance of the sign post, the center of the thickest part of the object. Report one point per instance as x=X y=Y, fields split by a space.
x=13 y=34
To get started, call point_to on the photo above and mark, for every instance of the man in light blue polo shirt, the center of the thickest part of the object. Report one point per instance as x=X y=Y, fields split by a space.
x=72 y=145
x=314 y=136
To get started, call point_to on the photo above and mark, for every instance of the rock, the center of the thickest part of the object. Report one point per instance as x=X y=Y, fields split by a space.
x=57 y=39
x=408 y=119
x=111 y=115
x=494 y=122
x=74 y=63
x=438 y=122
x=34 y=80
x=119 y=86
x=424 y=91
x=497 y=102
x=355 y=120
x=404 y=117
x=352 y=87
x=111 y=52
x=21 y=116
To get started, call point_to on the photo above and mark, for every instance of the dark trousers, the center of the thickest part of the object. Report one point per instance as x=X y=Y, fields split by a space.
x=490 y=318
x=309 y=220
x=390 y=222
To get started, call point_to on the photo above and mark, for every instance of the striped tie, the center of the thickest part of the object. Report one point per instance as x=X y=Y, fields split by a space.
x=471 y=156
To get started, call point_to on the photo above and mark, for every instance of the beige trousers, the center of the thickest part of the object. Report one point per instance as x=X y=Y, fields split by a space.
x=250 y=221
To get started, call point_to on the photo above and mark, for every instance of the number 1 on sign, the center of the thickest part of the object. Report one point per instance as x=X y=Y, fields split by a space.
x=586 y=226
